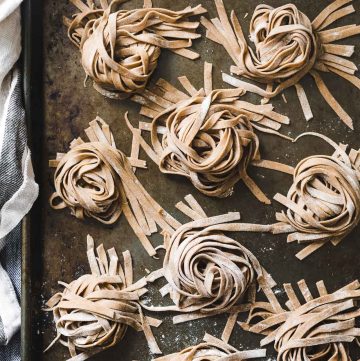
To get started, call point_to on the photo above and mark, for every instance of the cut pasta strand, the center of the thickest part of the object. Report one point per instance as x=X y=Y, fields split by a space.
x=215 y=350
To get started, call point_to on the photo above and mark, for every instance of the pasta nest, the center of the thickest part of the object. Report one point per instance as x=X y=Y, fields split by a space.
x=284 y=41
x=323 y=203
x=120 y=63
x=205 y=351
x=93 y=312
x=87 y=182
x=322 y=328
x=83 y=326
x=95 y=179
x=208 y=271
x=208 y=141
x=120 y=48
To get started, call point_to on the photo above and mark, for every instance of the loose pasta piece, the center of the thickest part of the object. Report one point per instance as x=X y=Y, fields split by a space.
x=207 y=136
x=92 y=313
x=213 y=349
x=120 y=48
x=96 y=180
x=288 y=46
x=320 y=328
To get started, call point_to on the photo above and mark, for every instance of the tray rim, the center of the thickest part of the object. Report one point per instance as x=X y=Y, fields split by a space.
x=31 y=65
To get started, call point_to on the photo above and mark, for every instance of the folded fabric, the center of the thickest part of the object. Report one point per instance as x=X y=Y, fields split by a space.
x=8 y=7
x=18 y=189
x=10 y=310
x=10 y=49
x=10 y=259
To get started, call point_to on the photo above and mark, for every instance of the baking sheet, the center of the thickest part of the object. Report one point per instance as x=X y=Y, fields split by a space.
x=59 y=108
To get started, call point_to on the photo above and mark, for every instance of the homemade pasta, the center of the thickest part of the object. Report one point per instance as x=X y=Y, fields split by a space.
x=96 y=180
x=213 y=349
x=93 y=312
x=207 y=136
x=208 y=272
x=323 y=203
x=288 y=46
x=319 y=329
x=120 y=48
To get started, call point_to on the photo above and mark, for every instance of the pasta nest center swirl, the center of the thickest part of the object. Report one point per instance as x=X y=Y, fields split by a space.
x=86 y=181
x=285 y=43
x=208 y=270
x=324 y=198
x=209 y=142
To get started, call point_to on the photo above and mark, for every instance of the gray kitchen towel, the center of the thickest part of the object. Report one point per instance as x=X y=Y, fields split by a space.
x=16 y=196
x=18 y=189
x=10 y=258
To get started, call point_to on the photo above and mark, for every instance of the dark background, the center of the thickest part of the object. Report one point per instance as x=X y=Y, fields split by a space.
x=59 y=108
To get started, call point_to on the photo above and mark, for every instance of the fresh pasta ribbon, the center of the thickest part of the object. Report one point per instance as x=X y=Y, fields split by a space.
x=206 y=135
x=213 y=349
x=95 y=179
x=92 y=313
x=288 y=46
x=120 y=48
x=208 y=272
x=323 y=203
x=321 y=328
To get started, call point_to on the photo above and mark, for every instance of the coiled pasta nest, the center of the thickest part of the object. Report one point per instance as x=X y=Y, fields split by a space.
x=120 y=48
x=93 y=312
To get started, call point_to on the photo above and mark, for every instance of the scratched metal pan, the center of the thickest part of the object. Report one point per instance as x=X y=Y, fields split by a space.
x=59 y=108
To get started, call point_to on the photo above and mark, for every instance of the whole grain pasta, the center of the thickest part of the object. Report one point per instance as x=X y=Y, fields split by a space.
x=120 y=48
x=95 y=179
x=207 y=136
x=207 y=271
x=93 y=312
x=288 y=46
x=319 y=329
x=323 y=203
x=213 y=349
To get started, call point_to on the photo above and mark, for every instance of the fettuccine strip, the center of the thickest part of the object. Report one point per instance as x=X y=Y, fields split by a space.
x=215 y=350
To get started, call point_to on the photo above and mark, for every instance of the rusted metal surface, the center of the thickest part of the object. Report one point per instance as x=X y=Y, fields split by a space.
x=58 y=240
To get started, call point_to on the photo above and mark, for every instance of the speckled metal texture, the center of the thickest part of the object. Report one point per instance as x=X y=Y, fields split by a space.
x=57 y=241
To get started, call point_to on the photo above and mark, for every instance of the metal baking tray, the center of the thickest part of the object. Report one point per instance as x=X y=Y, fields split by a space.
x=59 y=108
